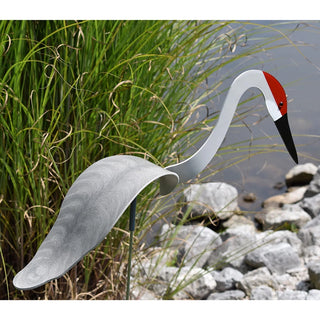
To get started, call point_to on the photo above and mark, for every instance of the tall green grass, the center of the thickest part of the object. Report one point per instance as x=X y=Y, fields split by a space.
x=73 y=92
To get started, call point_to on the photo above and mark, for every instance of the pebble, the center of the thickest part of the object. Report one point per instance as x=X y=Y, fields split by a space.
x=249 y=197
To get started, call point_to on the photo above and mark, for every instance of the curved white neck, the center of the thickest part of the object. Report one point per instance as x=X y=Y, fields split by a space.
x=192 y=166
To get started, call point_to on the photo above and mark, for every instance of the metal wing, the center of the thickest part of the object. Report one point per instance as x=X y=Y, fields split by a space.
x=92 y=206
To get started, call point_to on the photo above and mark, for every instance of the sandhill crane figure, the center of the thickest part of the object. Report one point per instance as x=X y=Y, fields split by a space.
x=101 y=194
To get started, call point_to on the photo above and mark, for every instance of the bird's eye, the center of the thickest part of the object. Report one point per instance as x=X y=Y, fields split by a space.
x=280 y=104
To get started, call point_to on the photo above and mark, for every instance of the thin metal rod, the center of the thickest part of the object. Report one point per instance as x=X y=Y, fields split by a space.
x=132 y=220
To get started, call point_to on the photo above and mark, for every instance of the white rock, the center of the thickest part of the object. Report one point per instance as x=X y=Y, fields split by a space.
x=227 y=295
x=301 y=174
x=193 y=242
x=257 y=278
x=314 y=186
x=237 y=220
x=147 y=264
x=311 y=253
x=263 y=293
x=189 y=283
x=315 y=222
x=292 y=196
x=310 y=233
x=313 y=295
x=311 y=205
x=286 y=281
x=282 y=236
x=292 y=295
x=288 y=214
x=227 y=278
x=239 y=230
x=232 y=252
x=213 y=198
x=300 y=278
x=278 y=258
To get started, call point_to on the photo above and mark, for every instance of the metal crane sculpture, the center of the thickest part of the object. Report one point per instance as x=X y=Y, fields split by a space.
x=101 y=193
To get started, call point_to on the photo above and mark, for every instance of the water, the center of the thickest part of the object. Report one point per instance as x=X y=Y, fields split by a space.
x=298 y=69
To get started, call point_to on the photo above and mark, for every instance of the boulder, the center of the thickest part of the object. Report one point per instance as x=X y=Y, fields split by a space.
x=311 y=205
x=227 y=278
x=278 y=258
x=194 y=243
x=232 y=251
x=216 y=199
x=257 y=278
x=262 y=293
x=314 y=274
x=301 y=174
x=227 y=295
x=294 y=195
x=288 y=215
x=292 y=295
x=281 y=236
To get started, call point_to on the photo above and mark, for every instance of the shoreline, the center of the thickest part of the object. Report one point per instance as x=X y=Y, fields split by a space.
x=274 y=257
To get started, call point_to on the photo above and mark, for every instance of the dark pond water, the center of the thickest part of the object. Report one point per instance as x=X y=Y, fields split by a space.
x=298 y=69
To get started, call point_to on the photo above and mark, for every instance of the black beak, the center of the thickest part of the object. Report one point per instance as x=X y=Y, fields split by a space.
x=285 y=133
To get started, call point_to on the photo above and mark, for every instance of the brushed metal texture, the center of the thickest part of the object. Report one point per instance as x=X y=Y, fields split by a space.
x=90 y=209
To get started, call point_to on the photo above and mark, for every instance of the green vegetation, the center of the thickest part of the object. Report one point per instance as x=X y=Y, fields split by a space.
x=73 y=92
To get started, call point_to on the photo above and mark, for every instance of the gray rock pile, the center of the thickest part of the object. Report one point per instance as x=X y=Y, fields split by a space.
x=275 y=256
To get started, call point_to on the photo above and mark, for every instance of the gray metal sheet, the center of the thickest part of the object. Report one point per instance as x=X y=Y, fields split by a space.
x=90 y=209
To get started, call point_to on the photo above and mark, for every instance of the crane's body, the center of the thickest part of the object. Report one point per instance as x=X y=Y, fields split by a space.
x=101 y=194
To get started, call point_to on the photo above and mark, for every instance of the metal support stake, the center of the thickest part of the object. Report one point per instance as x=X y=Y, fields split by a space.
x=132 y=220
